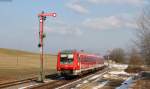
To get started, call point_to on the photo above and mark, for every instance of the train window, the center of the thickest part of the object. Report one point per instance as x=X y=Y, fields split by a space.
x=66 y=59
x=63 y=55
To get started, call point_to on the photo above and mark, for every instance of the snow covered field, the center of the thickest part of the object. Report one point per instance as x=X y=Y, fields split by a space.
x=119 y=66
x=111 y=80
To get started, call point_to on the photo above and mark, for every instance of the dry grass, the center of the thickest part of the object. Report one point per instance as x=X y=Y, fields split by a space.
x=113 y=83
x=142 y=84
x=15 y=65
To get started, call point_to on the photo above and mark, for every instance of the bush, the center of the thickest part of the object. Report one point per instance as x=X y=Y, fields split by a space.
x=133 y=69
x=117 y=55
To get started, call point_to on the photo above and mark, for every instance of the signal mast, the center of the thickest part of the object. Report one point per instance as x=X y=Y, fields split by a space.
x=42 y=17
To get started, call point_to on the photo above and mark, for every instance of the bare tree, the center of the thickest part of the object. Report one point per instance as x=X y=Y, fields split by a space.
x=135 y=62
x=143 y=33
x=135 y=58
x=117 y=55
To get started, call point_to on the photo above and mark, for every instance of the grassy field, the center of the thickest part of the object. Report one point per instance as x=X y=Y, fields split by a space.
x=15 y=65
x=142 y=84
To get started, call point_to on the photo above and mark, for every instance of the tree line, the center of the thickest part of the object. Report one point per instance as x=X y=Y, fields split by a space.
x=140 y=54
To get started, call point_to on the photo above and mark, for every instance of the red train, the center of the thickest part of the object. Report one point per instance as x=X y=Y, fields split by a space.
x=72 y=62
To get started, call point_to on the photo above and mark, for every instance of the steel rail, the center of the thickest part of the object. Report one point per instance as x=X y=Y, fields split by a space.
x=27 y=80
x=65 y=84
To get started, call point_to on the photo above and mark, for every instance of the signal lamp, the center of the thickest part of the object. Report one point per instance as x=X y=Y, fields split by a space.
x=44 y=18
x=39 y=45
x=44 y=35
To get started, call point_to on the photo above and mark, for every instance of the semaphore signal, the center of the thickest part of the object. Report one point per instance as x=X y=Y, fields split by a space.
x=42 y=17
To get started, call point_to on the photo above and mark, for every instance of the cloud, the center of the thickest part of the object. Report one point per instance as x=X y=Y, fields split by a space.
x=111 y=22
x=131 y=2
x=77 y=7
x=61 y=28
x=80 y=6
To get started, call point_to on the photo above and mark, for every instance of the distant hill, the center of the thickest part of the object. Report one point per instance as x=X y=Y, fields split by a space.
x=14 y=52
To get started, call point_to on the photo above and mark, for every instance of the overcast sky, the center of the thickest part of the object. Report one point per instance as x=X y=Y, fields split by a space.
x=91 y=25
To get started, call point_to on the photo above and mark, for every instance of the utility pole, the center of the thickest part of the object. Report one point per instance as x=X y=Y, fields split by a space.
x=42 y=17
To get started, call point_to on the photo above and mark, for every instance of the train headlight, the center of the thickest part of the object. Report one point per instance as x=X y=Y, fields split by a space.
x=78 y=63
x=58 y=68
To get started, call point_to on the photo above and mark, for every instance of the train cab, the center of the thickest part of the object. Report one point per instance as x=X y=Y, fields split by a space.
x=67 y=62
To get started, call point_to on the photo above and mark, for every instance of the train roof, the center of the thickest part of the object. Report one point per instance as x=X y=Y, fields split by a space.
x=67 y=51
x=81 y=52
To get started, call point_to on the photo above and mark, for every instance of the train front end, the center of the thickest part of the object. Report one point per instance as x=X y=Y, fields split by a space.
x=67 y=63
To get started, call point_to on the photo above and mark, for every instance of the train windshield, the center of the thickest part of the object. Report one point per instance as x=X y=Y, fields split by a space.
x=66 y=59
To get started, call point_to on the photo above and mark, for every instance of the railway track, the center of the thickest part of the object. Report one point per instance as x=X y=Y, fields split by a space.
x=8 y=85
x=51 y=85
x=67 y=84
x=53 y=82
x=17 y=82
x=90 y=78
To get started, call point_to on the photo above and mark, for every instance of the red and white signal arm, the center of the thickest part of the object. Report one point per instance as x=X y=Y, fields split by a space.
x=48 y=14
x=54 y=14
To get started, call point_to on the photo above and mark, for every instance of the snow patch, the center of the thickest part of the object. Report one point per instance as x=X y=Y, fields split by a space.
x=94 y=77
x=100 y=85
x=78 y=85
x=119 y=66
x=118 y=72
x=85 y=81
x=126 y=83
